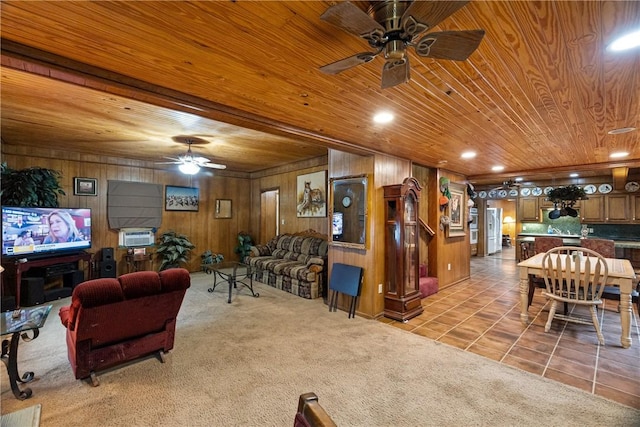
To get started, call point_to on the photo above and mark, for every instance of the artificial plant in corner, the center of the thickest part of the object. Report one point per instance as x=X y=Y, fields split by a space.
x=33 y=187
x=244 y=245
x=209 y=257
x=174 y=249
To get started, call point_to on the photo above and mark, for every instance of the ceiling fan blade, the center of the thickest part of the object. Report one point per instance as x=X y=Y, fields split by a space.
x=422 y=15
x=394 y=72
x=351 y=18
x=350 y=62
x=168 y=163
x=213 y=166
x=200 y=159
x=455 y=45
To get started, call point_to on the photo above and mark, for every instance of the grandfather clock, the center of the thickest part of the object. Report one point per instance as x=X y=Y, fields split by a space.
x=402 y=289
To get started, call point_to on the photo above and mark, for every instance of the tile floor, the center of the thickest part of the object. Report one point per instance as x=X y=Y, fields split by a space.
x=482 y=315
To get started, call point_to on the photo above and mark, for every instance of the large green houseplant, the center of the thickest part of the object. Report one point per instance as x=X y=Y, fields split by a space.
x=35 y=187
x=244 y=245
x=174 y=249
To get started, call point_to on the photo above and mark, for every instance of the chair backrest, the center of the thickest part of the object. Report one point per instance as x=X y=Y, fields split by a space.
x=311 y=414
x=346 y=279
x=578 y=275
x=605 y=247
x=524 y=251
x=543 y=244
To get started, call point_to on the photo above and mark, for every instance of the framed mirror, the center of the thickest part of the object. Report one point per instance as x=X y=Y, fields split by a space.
x=349 y=206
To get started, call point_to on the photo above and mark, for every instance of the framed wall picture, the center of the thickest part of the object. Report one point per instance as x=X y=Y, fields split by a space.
x=223 y=208
x=456 y=210
x=181 y=198
x=312 y=195
x=85 y=186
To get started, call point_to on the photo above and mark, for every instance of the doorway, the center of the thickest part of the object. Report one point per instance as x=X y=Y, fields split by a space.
x=269 y=215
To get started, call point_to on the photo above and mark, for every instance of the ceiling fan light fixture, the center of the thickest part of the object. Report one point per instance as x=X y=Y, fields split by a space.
x=189 y=168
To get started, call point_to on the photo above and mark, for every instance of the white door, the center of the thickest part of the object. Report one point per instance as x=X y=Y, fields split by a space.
x=491 y=231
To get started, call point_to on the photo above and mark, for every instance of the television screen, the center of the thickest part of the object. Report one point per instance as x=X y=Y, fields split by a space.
x=28 y=232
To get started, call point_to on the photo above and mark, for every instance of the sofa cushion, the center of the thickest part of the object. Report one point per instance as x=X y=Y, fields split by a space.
x=140 y=284
x=174 y=279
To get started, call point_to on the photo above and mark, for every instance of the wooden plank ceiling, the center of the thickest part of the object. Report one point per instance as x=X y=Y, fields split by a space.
x=122 y=79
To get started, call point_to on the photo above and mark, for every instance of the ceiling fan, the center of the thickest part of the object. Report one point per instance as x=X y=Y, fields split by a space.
x=394 y=25
x=507 y=185
x=190 y=164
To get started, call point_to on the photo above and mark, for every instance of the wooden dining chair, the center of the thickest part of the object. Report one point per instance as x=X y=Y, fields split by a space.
x=541 y=245
x=574 y=279
x=607 y=248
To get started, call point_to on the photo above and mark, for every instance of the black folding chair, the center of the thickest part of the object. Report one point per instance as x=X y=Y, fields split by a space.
x=346 y=279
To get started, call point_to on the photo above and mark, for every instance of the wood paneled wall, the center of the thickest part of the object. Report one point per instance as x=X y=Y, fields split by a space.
x=206 y=232
x=445 y=250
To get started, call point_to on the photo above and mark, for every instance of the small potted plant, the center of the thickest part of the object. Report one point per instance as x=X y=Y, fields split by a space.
x=244 y=245
x=174 y=249
x=209 y=258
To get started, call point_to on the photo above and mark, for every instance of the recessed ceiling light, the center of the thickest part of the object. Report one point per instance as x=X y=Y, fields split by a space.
x=628 y=41
x=518 y=179
x=383 y=117
x=618 y=154
x=497 y=168
x=468 y=155
x=621 y=130
x=573 y=175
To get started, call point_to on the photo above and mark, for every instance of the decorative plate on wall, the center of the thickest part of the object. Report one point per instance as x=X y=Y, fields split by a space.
x=482 y=194
x=590 y=189
x=632 y=186
x=502 y=193
x=536 y=191
x=491 y=194
x=513 y=193
x=547 y=189
x=525 y=192
x=605 y=188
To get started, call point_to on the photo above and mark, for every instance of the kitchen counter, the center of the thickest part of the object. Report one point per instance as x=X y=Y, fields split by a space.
x=573 y=240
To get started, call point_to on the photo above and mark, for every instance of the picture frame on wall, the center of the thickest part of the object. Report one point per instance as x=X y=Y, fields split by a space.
x=311 y=195
x=85 y=186
x=456 y=210
x=223 y=208
x=181 y=198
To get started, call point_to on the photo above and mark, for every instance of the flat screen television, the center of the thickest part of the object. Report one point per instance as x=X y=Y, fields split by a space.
x=35 y=232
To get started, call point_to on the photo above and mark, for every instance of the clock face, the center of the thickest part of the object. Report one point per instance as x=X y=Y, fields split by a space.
x=346 y=201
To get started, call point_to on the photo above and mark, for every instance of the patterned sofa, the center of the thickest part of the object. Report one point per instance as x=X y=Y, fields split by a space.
x=292 y=262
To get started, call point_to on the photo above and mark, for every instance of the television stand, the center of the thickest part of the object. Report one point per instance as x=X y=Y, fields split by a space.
x=21 y=265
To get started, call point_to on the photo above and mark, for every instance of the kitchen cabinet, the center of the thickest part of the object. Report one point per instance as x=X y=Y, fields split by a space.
x=544 y=202
x=528 y=209
x=592 y=209
x=617 y=208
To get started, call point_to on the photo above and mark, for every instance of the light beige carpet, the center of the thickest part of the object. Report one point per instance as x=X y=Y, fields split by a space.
x=246 y=363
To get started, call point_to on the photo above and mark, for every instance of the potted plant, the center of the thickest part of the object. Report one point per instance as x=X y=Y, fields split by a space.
x=209 y=258
x=244 y=245
x=174 y=249
x=33 y=187
x=570 y=193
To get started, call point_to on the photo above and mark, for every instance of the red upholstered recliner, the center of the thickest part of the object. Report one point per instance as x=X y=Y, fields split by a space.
x=112 y=321
x=428 y=285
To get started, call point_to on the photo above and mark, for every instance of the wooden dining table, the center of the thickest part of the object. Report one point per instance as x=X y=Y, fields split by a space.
x=621 y=274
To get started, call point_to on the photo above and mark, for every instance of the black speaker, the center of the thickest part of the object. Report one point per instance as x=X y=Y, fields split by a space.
x=108 y=269
x=71 y=280
x=32 y=291
x=107 y=254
